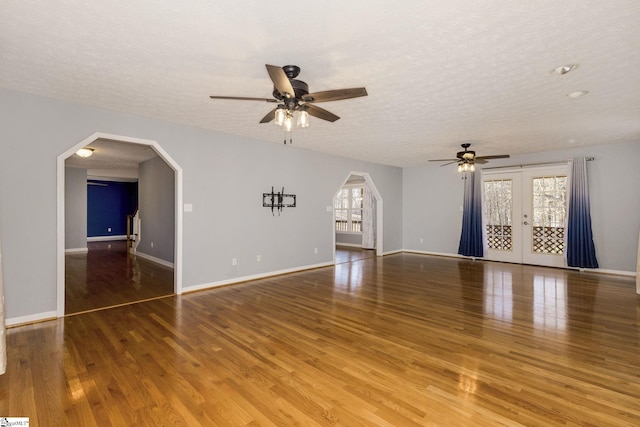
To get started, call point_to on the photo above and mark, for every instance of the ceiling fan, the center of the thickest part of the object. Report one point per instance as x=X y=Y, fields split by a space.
x=294 y=100
x=467 y=159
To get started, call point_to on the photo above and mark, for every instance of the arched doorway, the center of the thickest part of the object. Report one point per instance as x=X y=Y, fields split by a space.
x=177 y=177
x=362 y=178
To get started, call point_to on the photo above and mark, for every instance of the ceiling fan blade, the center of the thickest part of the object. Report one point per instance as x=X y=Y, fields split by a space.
x=499 y=156
x=270 y=116
x=321 y=113
x=243 y=98
x=444 y=160
x=280 y=81
x=480 y=161
x=450 y=163
x=335 y=95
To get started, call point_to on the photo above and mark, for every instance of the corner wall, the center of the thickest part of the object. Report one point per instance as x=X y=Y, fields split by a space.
x=156 y=191
x=75 y=236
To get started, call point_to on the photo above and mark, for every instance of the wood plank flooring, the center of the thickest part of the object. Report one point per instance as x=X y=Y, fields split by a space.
x=402 y=340
x=108 y=276
x=350 y=253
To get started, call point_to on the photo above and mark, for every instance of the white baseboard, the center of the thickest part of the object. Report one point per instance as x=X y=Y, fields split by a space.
x=397 y=251
x=32 y=318
x=186 y=289
x=105 y=238
x=76 y=250
x=154 y=259
x=592 y=270
x=606 y=271
x=446 y=254
x=351 y=245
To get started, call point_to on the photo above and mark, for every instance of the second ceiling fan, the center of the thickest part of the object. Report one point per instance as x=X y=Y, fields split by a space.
x=467 y=159
x=295 y=103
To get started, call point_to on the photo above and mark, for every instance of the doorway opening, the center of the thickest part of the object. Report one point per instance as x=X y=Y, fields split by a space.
x=113 y=249
x=357 y=219
x=524 y=215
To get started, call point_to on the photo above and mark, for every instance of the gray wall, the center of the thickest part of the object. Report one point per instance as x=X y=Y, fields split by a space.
x=224 y=178
x=433 y=199
x=156 y=207
x=75 y=208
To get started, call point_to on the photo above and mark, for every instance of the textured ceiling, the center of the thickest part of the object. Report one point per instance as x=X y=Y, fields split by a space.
x=437 y=73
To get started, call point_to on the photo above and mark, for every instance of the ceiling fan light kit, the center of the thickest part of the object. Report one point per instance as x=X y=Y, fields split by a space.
x=466 y=167
x=295 y=103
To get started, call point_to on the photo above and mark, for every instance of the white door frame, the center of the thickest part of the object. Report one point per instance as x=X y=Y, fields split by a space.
x=522 y=217
x=528 y=256
x=60 y=258
x=379 y=212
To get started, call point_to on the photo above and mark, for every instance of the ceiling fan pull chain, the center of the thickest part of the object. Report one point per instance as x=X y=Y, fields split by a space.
x=290 y=137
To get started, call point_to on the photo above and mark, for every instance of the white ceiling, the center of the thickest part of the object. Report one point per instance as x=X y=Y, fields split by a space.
x=113 y=155
x=437 y=73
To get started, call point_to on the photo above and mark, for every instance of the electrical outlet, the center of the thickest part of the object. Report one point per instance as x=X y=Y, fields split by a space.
x=108 y=229
x=259 y=258
x=421 y=240
x=151 y=244
x=234 y=261
x=315 y=251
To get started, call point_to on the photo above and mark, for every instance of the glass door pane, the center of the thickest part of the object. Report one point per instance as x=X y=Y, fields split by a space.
x=545 y=210
x=502 y=210
x=548 y=214
x=498 y=211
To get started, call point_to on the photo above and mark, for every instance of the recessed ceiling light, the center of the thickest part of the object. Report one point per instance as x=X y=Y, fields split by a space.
x=85 y=152
x=564 y=69
x=577 y=94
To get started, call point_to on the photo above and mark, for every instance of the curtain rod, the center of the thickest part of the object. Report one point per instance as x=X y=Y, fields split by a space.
x=588 y=159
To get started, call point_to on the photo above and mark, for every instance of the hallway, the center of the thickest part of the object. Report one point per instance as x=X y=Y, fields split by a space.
x=108 y=276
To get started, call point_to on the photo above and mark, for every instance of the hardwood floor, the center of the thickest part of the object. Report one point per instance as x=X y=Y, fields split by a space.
x=108 y=276
x=350 y=253
x=402 y=340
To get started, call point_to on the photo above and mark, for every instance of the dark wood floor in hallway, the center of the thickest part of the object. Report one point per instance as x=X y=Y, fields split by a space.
x=400 y=340
x=107 y=276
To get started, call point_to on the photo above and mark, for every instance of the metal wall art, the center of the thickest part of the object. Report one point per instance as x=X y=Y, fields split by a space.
x=277 y=201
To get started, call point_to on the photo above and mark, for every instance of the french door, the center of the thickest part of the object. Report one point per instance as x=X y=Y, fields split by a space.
x=524 y=213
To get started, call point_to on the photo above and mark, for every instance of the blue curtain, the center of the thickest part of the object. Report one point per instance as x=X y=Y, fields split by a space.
x=471 y=243
x=581 y=251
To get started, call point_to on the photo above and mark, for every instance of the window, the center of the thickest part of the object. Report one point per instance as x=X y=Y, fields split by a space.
x=348 y=209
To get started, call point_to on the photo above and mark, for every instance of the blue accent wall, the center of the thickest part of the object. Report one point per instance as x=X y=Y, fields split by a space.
x=108 y=204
